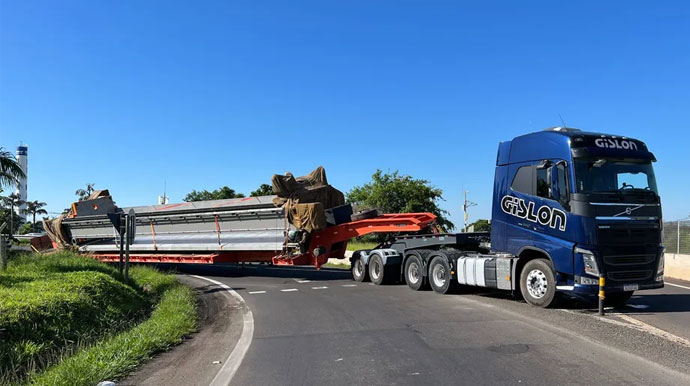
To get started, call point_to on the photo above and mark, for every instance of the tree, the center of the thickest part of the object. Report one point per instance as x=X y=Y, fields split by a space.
x=12 y=201
x=13 y=222
x=33 y=208
x=396 y=193
x=481 y=226
x=217 y=194
x=263 y=190
x=10 y=172
x=85 y=193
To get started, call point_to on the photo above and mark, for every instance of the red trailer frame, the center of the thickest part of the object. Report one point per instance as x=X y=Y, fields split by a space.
x=328 y=243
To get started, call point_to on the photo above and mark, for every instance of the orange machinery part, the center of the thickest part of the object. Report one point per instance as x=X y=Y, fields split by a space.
x=334 y=239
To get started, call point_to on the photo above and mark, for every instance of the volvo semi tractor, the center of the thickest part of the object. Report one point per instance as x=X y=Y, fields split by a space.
x=569 y=207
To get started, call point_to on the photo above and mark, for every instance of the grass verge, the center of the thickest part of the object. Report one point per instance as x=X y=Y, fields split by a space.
x=337 y=265
x=59 y=307
x=356 y=245
x=173 y=318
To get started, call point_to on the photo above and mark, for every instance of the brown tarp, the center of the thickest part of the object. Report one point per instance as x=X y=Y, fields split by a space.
x=56 y=232
x=294 y=193
x=285 y=186
x=308 y=217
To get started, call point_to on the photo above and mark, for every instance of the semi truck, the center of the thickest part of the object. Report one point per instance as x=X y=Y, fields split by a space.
x=569 y=208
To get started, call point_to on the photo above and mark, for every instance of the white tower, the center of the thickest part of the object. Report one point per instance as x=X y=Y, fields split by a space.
x=22 y=154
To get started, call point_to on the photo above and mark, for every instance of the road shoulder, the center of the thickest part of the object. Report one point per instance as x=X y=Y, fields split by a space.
x=200 y=357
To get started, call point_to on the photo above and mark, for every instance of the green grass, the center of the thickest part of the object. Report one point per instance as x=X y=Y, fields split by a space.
x=356 y=245
x=173 y=318
x=338 y=265
x=54 y=306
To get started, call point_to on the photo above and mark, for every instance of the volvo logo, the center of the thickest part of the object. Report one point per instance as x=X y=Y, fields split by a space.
x=628 y=211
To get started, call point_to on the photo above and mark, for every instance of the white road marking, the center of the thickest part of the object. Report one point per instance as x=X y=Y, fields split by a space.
x=289 y=290
x=339 y=359
x=318 y=288
x=256 y=292
x=234 y=360
x=678 y=285
x=642 y=326
x=303 y=281
x=638 y=306
x=635 y=324
x=349 y=285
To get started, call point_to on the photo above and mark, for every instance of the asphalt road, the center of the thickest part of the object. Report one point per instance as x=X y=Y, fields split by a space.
x=321 y=328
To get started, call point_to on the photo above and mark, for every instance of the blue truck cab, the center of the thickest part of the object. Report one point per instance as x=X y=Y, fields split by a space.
x=583 y=205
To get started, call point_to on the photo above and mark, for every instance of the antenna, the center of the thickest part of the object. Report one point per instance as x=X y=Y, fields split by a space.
x=562 y=120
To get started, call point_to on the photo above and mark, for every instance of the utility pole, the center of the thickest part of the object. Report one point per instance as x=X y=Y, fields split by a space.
x=466 y=205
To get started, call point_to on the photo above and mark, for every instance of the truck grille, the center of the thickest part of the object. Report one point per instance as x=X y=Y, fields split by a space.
x=628 y=259
x=628 y=236
x=629 y=275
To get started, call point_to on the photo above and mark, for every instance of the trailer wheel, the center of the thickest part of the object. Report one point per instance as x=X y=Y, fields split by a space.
x=440 y=277
x=617 y=299
x=376 y=269
x=414 y=273
x=359 y=270
x=538 y=283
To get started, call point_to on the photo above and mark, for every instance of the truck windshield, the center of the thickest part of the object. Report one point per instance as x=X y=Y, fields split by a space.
x=603 y=175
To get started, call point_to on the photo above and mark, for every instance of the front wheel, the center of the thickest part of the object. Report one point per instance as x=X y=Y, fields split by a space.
x=440 y=277
x=538 y=283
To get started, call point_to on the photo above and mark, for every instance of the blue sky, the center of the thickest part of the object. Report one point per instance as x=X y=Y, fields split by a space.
x=130 y=94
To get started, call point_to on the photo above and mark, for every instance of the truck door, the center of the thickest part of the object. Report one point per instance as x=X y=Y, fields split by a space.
x=522 y=190
x=551 y=232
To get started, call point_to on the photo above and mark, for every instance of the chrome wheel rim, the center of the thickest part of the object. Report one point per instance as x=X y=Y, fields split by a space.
x=413 y=275
x=537 y=285
x=376 y=270
x=359 y=268
x=438 y=275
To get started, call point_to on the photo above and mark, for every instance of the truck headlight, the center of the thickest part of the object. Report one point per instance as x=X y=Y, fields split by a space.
x=660 y=269
x=590 y=263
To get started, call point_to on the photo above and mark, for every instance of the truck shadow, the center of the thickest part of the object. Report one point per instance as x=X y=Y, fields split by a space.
x=261 y=270
x=637 y=305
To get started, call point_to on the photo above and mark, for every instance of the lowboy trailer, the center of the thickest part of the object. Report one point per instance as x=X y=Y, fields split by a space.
x=571 y=210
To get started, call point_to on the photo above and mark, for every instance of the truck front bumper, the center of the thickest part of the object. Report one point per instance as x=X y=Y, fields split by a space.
x=593 y=289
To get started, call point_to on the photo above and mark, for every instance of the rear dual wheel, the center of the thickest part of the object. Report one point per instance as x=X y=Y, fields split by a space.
x=440 y=277
x=359 y=270
x=377 y=271
x=414 y=273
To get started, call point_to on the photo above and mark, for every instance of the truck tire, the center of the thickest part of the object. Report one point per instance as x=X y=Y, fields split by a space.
x=538 y=283
x=359 y=270
x=364 y=214
x=617 y=299
x=377 y=271
x=440 y=278
x=414 y=273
